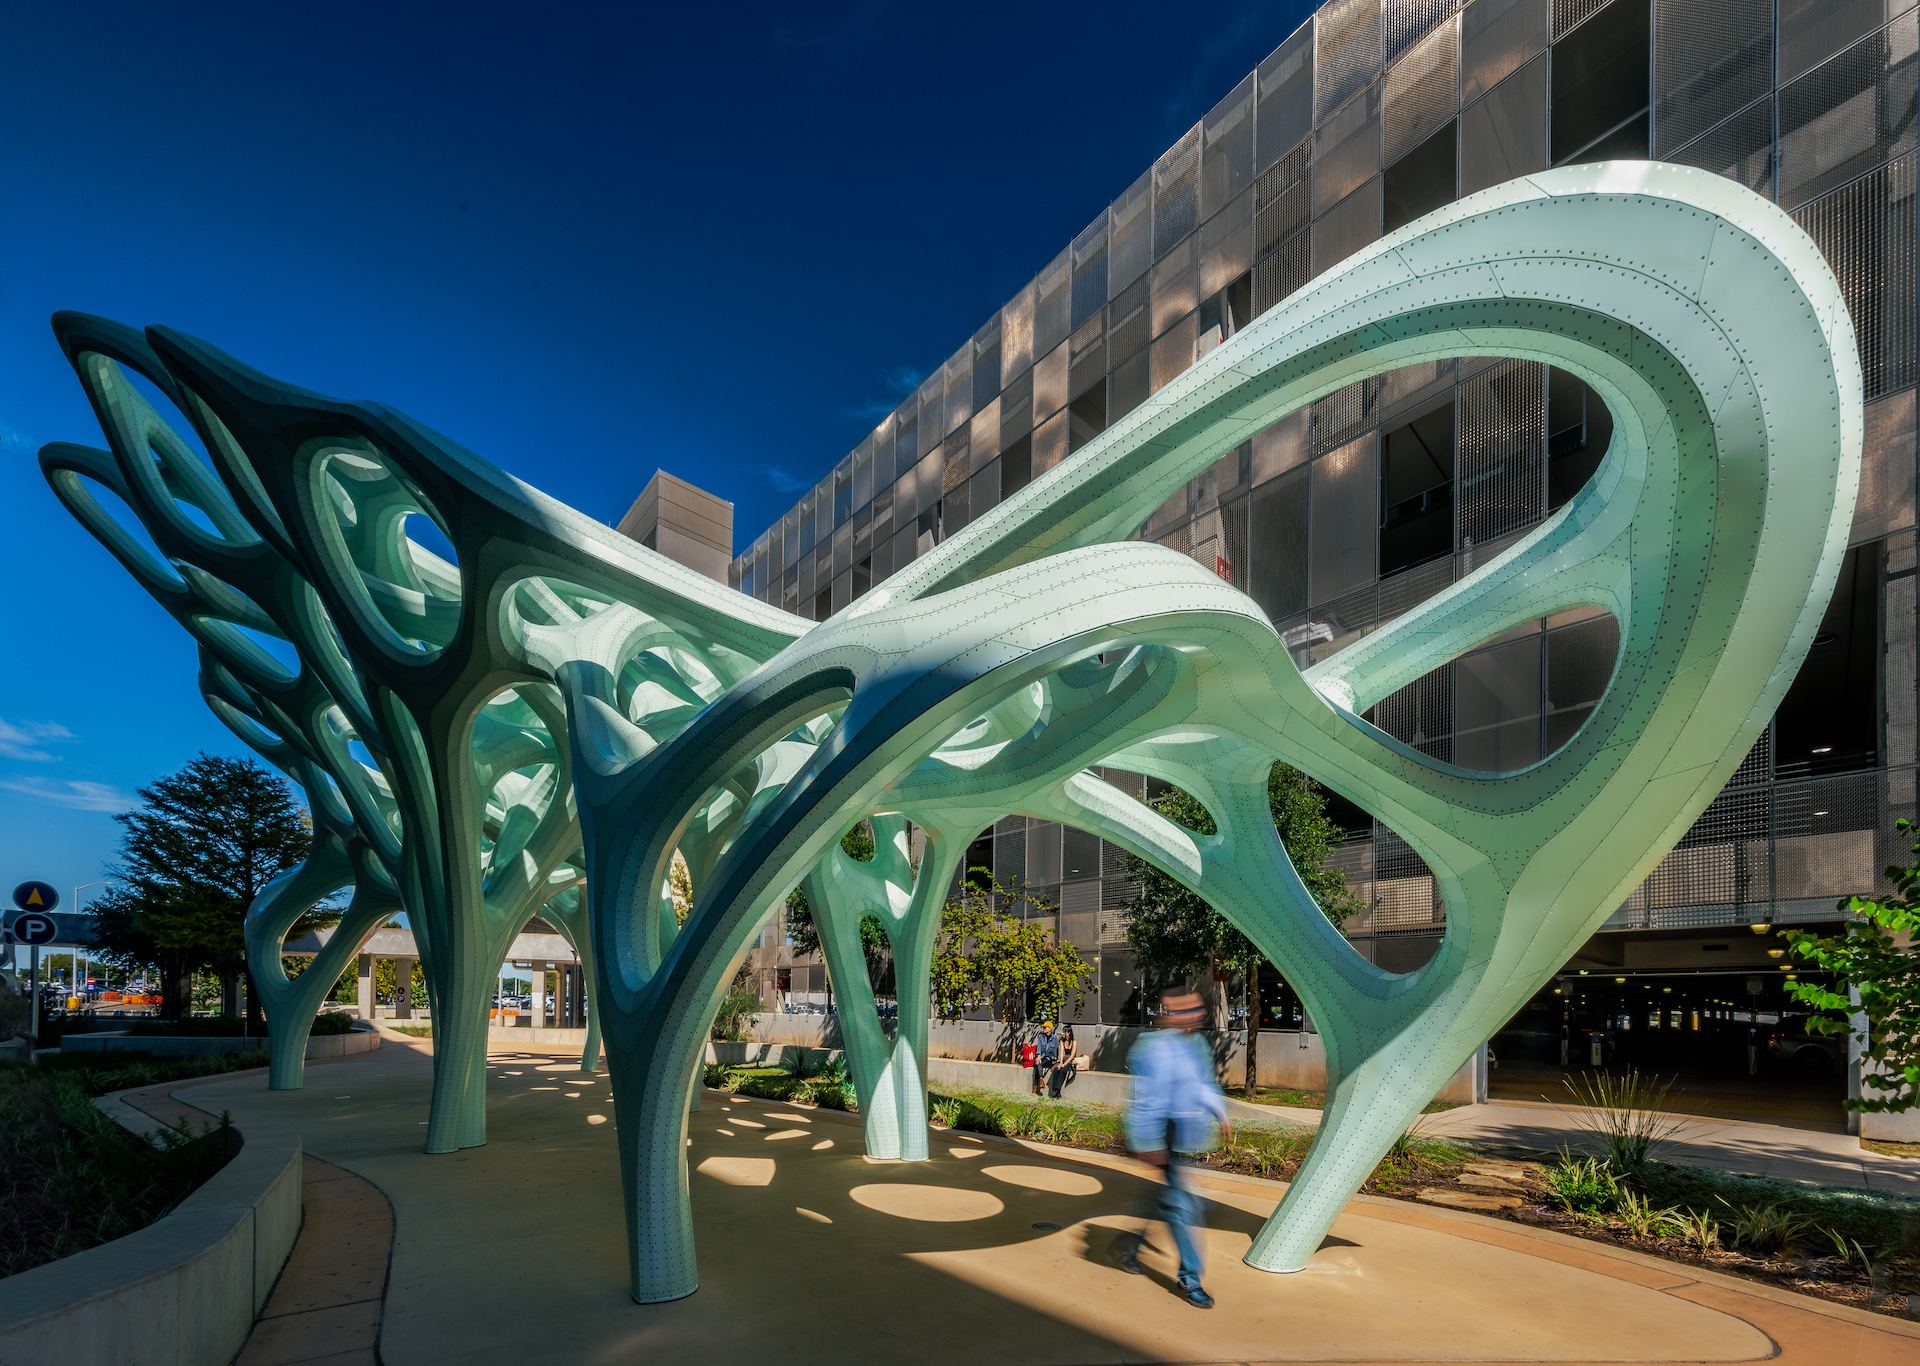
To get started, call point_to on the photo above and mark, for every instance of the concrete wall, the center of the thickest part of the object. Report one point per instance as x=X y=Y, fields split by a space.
x=181 y=1292
x=1290 y=1059
x=326 y=1046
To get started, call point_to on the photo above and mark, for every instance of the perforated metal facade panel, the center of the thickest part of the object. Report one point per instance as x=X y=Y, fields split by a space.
x=1309 y=131
x=1348 y=51
x=1710 y=58
x=1422 y=89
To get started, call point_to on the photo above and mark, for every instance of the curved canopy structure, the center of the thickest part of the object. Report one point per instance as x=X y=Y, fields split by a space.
x=561 y=706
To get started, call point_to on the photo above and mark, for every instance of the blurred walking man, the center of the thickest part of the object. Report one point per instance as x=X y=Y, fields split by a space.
x=1174 y=1108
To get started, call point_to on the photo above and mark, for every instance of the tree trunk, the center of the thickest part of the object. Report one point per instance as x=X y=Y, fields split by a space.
x=1253 y=1027
x=256 y=1019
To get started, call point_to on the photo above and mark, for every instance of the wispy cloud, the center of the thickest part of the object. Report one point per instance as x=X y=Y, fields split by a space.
x=22 y=741
x=783 y=481
x=81 y=796
x=1208 y=75
x=900 y=380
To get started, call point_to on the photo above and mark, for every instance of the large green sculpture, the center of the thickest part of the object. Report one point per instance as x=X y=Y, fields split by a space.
x=563 y=706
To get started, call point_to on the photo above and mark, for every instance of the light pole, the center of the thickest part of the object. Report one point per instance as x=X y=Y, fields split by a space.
x=79 y=981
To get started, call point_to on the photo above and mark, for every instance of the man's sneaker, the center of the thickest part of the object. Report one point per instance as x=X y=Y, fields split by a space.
x=1196 y=1297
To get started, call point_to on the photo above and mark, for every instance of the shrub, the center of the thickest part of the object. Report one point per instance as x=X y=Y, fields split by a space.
x=1626 y=1115
x=1697 y=1229
x=1583 y=1185
x=730 y=1021
x=1770 y=1230
x=978 y=1119
x=946 y=1110
x=71 y=1178
x=1641 y=1218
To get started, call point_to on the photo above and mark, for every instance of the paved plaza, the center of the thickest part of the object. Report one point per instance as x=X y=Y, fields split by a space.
x=991 y=1252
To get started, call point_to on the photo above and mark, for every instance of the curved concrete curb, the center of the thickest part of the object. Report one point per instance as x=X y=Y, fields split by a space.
x=180 y=1292
x=163 y=1046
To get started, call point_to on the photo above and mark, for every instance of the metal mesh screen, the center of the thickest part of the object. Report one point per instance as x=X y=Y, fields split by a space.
x=1900 y=603
x=1740 y=149
x=1079 y=921
x=1412 y=382
x=1408 y=21
x=1502 y=460
x=1567 y=14
x=1344 y=414
x=1176 y=193
x=1421 y=714
x=1422 y=89
x=1710 y=57
x=1283 y=272
x=1347 y=36
x=1866 y=232
x=1886 y=500
x=1116 y=894
x=1849 y=114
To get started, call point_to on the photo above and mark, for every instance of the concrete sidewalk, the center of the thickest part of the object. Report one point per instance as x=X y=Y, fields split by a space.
x=1779 y=1151
x=993 y=1250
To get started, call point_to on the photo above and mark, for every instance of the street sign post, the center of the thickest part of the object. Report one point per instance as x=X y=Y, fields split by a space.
x=34 y=925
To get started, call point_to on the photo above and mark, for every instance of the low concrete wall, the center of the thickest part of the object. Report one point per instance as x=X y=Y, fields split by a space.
x=1289 y=1059
x=526 y=1034
x=162 y=1046
x=181 y=1292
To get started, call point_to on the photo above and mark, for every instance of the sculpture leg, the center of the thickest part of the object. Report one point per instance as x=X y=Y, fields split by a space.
x=650 y=1107
x=590 y=1055
x=458 y=1118
x=1367 y=1110
x=291 y=1004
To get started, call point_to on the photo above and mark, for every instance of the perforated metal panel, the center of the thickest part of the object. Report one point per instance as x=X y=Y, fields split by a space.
x=1710 y=58
x=1502 y=460
x=1348 y=51
x=1504 y=134
x=1866 y=232
x=1344 y=414
x=1282 y=245
x=1886 y=501
x=1849 y=114
x=1421 y=714
x=1176 y=192
x=1740 y=149
x=1408 y=21
x=1569 y=14
x=1422 y=89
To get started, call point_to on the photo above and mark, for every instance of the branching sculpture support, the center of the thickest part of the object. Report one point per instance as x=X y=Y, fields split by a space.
x=984 y=677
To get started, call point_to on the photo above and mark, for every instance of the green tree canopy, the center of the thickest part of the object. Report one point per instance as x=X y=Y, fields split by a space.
x=805 y=936
x=988 y=958
x=1869 y=959
x=193 y=856
x=1175 y=933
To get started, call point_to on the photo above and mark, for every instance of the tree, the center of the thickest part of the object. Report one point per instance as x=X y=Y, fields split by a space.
x=1868 y=961
x=986 y=958
x=805 y=937
x=1174 y=933
x=200 y=848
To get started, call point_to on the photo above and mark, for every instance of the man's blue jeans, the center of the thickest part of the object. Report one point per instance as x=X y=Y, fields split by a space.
x=1179 y=1208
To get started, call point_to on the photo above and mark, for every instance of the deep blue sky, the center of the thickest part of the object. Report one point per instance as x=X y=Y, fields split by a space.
x=585 y=241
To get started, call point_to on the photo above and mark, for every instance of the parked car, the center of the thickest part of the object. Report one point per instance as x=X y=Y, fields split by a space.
x=1816 y=1055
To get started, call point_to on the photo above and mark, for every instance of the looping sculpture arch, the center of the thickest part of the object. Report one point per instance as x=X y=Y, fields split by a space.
x=985 y=678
